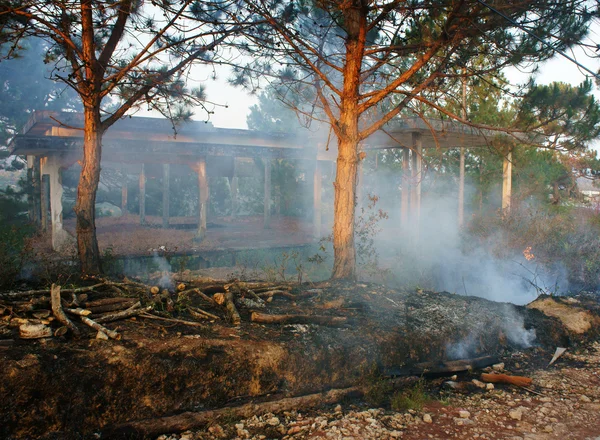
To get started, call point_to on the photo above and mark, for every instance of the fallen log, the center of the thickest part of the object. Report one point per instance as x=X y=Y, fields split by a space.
x=192 y=420
x=130 y=312
x=58 y=311
x=200 y=294
x=231 y=309
x=519 y=381
x=329 y=321
x=110 y=333
x=26 y=293
x=112 y=307
x=443 y=367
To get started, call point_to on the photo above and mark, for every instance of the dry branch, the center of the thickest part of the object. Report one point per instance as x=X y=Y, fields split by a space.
x=201 y=314
x=191 y=420
x=177 y=321
x=132 y=311
x=107 y=301
x=330 y=321
x=93 y=324
x=519 y=381
x=58 y=311
x=269 y=293
x=200 y=294
x=79 y=311
x=26 y=293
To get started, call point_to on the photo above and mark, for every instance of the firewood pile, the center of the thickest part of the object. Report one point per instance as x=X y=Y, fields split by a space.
x=59 y=311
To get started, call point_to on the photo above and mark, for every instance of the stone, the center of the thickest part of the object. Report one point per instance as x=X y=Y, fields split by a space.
x=489 y=386
x=102 y=335
x=338 y=408
x=516 y=414
x=478 y=383
x=273 y=421
x=498 y=367
x=427 y=418
x=464 y=414
x=585 y=398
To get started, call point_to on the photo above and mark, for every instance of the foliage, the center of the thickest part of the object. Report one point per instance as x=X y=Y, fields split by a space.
x=415 y=397
x=15 y=234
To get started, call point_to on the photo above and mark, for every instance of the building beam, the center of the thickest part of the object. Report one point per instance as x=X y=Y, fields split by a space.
x=461 y=188
x=123 y=190
x=203 y=192
x=405 y=187
x=142 y=184
x=165 y=201
x=267 y=197
x=417 y=177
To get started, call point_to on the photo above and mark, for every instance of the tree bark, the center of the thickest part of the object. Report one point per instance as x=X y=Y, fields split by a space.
x=87 y=243
x=344 y=263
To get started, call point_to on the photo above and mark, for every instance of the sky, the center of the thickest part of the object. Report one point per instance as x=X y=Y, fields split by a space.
x=238 y=101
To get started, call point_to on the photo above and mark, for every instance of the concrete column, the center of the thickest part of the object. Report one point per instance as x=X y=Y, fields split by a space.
x=37 y=191
x=461 y=188
x=52 y=169
x=405 y=187
x=417 y=175
x=165 y=182
x=318 y=178
x=203 y=192
x=233 y=186
x=267 y=199
x=30 y=197
x=142 y=194
x=506 y=182
x=124 y=190
x=45 y=198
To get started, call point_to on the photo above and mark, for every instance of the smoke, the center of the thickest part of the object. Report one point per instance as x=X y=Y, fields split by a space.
x=164 y=267
x=434 y=253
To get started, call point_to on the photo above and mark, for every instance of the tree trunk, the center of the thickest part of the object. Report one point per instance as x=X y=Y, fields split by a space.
x=87 y=244
x=344 y=263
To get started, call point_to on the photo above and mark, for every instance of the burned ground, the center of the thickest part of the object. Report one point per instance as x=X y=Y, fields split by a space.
x=63 y=387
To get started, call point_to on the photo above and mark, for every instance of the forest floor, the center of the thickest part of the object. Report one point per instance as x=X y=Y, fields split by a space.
x=334 y=336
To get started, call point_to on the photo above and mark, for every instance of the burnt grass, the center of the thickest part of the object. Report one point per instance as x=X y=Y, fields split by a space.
x=72 y=388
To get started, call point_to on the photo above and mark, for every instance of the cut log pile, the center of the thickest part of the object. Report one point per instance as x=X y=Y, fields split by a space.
x=60 y=311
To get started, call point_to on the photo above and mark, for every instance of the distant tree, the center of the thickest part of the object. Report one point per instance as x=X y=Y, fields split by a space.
x=127 y=51
x=359 y=54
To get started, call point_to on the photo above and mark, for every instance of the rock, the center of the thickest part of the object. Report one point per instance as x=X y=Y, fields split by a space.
x=454 y=377
x=102 y=335
x=585 y=398
x=548 y=428
x=464 y=414
x=489 y=386
x=498 y=367
x=273 y=421
x=478 y=383
x=461 y=421
x=338 y=408
x=427 y=418
x=239 y=426
x=516 y=414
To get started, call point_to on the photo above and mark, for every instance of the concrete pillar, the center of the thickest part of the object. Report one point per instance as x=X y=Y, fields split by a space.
x=461 y=188
x=124 y=190
x=405 y=187
x=417 y=175
x=267 y=199
x=45 y=198
x=203 y=192
x=142 y=194
x=30 y=198
x=37 y=191
x=506 y=182
x=318 y=178
x=165 y=182
x=233 y=185
x=52 y=169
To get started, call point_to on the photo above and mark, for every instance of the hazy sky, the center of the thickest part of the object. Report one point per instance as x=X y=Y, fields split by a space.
x=239 y=101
